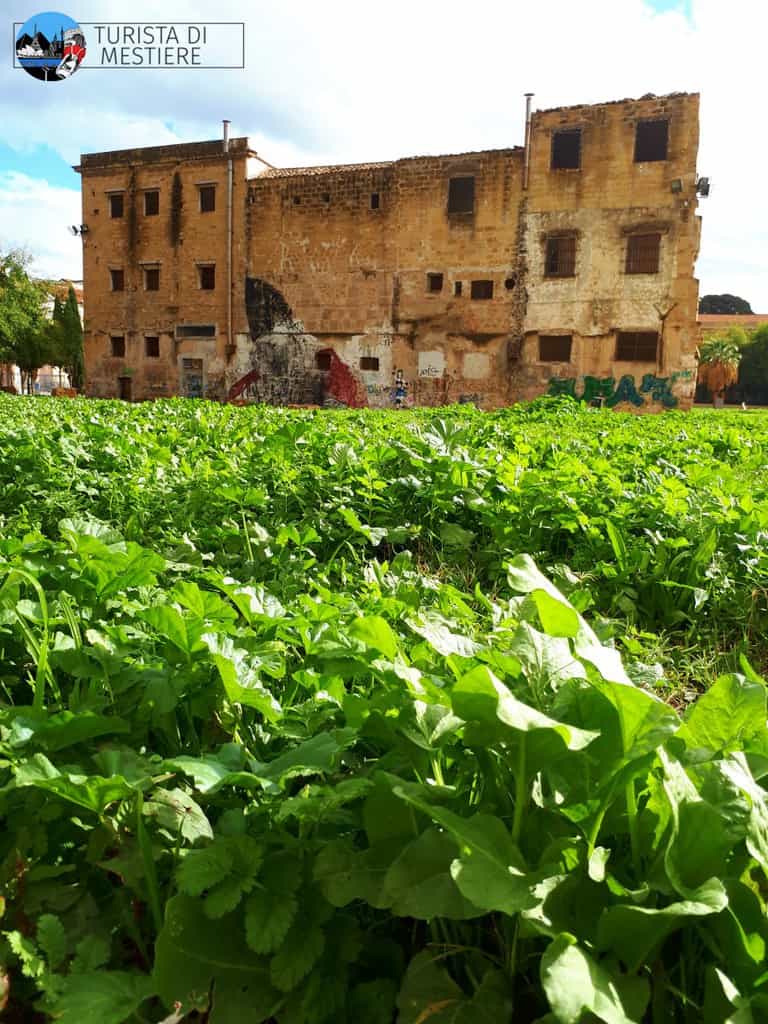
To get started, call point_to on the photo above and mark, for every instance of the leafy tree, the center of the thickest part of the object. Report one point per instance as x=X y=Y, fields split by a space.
x=718 y=366
x=22 y=331
x=753 y=369
x=727 y=304
x=70 y=340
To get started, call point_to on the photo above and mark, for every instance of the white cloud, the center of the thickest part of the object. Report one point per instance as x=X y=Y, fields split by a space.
x=34 y=216
x=334 y=82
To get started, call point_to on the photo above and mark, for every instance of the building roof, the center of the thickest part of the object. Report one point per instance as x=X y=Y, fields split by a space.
x=723 y=320
x=298 y=172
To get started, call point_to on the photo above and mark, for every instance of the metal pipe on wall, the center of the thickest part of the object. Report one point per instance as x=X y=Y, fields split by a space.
x=527 y=161
x=229 y=237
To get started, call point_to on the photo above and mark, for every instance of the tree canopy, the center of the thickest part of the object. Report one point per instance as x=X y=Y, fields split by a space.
x=724 y=304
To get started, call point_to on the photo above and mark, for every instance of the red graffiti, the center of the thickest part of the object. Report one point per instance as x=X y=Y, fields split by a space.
x=342 y=385
x=241 y=385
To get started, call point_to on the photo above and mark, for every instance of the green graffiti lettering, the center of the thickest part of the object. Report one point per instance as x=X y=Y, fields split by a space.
x=595 y=387
x=562 y=386
x=660 y=389
x=625 y=392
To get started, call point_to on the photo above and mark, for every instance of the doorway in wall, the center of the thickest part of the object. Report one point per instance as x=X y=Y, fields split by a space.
x=124 y=389
x=192 y=378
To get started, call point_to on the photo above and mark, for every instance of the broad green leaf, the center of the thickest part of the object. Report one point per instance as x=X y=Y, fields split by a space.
x=58 y=731
x=576 y=984
x=204 y=868
x=315 y=756
x=556 y=616
x=92 y=792
x=300 y=950
x=727 y=716
x=100 y=997
x=429 y=995
x=175 y=810
x=375 y=632
x=271 y=910
x=479 y=696
x=192 y=953
x=52 y=939
x=418 y=883
x=437 y=631
x=239 y=673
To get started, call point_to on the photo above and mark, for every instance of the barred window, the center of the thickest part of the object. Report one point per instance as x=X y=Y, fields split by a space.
x=207 y=198
x=116 y=204
x=561 y=256
x=151 y=203
x=152 y=346
x=117 y=342
x=637 y=346
x=481 y=289
x=151 y=279
x=643 y=254
x=555 y=348
x=117 y=280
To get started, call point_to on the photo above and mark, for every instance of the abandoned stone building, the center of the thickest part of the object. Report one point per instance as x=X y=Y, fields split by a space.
x=563 y=265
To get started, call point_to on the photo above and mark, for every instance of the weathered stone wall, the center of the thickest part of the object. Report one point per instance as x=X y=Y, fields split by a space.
x=332 y=301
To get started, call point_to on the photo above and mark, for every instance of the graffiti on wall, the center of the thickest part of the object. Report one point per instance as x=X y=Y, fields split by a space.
x=606 y=391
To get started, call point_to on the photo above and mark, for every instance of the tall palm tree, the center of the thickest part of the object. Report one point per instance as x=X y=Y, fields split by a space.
x=719 y=361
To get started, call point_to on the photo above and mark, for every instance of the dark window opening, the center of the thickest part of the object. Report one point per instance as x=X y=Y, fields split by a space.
x=457 y=288
x=151 y=204
x=118 y=346
x=566 y=150
x=323 y=360
x=326 y=197
x=461 y=195
x=152 y=347
x=434 y=282
x=651 y=141
x=117 y=280
x=554 y=348
x=637 y=346
x=116 y=205
x=207 y=198
x=207 y=277
x=481 y=289
x=561 y=256
x=151 y=279
x=297 y=200
x=510 y=283
x=196 y=330
x=369 y=362
x=375 y=201
x=643 y=254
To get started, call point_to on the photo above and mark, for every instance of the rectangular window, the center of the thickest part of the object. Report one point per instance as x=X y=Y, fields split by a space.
x=207 y=198
x=461 y=195
x=117 y=342
x=151 y=203
x=151 y=279
x=561 y=256
x=152 y=347
x=651 y=141
x=196 y=330
x=323 y=360
x=566 y=149
x=117 y=280
x=375 y=201
x=554 y=348
x=434 y=282
x=643 y=254
x=637 y=346
x=369 y=362
x=116 y=204
x=207 y=274
x=481 y=289
x=457 y=288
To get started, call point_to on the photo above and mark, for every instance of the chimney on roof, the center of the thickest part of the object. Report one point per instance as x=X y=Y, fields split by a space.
x=226 y=135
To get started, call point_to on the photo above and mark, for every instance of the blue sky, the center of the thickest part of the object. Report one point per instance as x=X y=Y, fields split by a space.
x=49 y=23
x=336 y=82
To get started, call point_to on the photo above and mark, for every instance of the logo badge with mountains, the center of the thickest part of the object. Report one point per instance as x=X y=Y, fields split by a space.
x=50 y=46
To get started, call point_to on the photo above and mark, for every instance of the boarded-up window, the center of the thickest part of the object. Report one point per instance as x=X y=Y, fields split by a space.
x=637 y=346
x=116 y=204
x=152 y=347
x=369 y=362
x=207 y=274
x=207 y=198
x=643 y=254
x=461 y=195
x=117 y=280
x=481 y=289
x=561 y=256
x=151 y=203
x=566 y=149
x=117 y=342
x=323 y=360
x=554 y=348
x=434 y=282
x=196 y=330
x=151 y=279
x=651 y=141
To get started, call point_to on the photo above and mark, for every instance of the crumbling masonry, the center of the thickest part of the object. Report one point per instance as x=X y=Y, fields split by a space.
x=484 y=277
